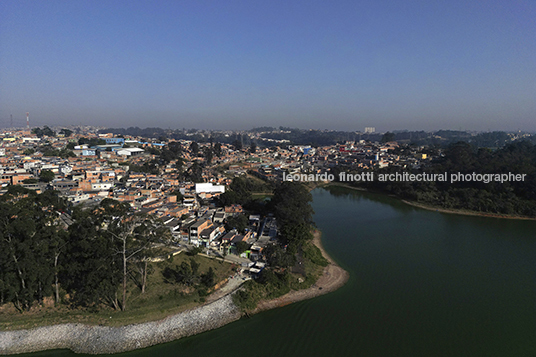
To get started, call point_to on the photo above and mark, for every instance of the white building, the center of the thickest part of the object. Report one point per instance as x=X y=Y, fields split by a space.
x=130 y=151
x=209 y=188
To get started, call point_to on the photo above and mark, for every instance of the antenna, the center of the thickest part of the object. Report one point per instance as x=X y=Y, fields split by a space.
x=11 y=120
x=27 y=121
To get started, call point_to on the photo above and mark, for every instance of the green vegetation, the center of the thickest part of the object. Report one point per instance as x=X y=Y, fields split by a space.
x=46 y=176
x=99 y=267
x=66 y=132
x=149 y=167
x=291 y=203
x=312 y=253
x=517 y=198
x=510 y=198
x=46 y=131
x=241 y=189
x=91 y=141
x=49 y=151
x=30 y=181
x=269 y=285
x=217 y=149
x=295 y=263
x=238 y=222
x=277 y=281
x=161 y=299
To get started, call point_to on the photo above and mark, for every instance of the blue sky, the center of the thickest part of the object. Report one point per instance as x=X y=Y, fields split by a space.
x=239 y=64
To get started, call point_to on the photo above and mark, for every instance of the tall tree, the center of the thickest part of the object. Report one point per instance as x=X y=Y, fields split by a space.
x=291 y=202
x=135 y=235
x=92 y=269
x=194 y=148
x=209 y=155
x=46 y=176
x=237 y=144
x=217 y=149
x=387 y=137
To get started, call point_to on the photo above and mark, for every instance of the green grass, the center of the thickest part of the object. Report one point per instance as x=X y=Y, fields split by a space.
x=160 y=299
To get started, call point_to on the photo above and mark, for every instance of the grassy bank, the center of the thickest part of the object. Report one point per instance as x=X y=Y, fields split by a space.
x=161 y=299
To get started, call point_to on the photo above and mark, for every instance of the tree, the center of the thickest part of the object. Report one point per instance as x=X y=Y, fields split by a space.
x=91 y=141
x=175 y=147
x=237 y=144
x=217 y=149
x=239 y=222
x=28 y=244
x=92 y=267
x=387 y=137
x=225 y=250
x=135 y=234
x=179 y=195
x=151 y=231
x=46 y=176
x=194 y=148
x=252 y=147
x=209 y=278
x=195 y=173
x=48 y=132
x=278 y=257
x=66 y=153
x=239 y=192
x=291 y=202
x=241 y=247
x=66 y=132
x=209 y=155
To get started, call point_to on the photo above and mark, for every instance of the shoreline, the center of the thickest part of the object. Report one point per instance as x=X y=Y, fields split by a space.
x=332 y=278
x=90 y=339
x=438 y=209
x=466 y=212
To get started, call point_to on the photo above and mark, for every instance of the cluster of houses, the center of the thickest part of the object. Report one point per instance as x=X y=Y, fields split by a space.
x=88 y=173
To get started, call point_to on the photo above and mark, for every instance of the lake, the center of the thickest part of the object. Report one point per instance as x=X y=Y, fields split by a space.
x=422 y=283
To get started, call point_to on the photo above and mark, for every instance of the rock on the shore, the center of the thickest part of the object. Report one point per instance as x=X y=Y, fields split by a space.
x=98 y=339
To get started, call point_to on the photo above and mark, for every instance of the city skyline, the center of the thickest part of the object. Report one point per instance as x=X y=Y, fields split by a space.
x=239 y=65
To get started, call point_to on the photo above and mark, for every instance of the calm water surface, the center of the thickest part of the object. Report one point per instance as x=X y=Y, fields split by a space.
x=422 y=284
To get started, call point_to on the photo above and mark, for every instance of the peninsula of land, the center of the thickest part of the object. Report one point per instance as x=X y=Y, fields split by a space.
x=81 y=338
x=464 y=212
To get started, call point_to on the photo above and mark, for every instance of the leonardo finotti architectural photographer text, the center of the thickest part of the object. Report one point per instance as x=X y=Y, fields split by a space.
x=406 y=177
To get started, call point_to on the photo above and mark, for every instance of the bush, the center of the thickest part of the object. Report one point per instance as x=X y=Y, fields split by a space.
x=312 y=253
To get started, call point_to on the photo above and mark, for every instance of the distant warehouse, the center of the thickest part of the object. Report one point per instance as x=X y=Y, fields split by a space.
x=130 y=151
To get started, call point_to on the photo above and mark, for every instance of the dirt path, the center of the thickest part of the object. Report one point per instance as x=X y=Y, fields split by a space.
x=333 y=278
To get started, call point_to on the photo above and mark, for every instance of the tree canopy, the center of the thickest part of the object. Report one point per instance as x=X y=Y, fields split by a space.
x=291 y=203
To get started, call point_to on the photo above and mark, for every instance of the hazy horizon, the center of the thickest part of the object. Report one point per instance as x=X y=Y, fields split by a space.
x=342 y=65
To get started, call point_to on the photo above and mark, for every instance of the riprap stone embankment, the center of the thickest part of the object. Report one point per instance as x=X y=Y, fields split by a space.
x=101 y=339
